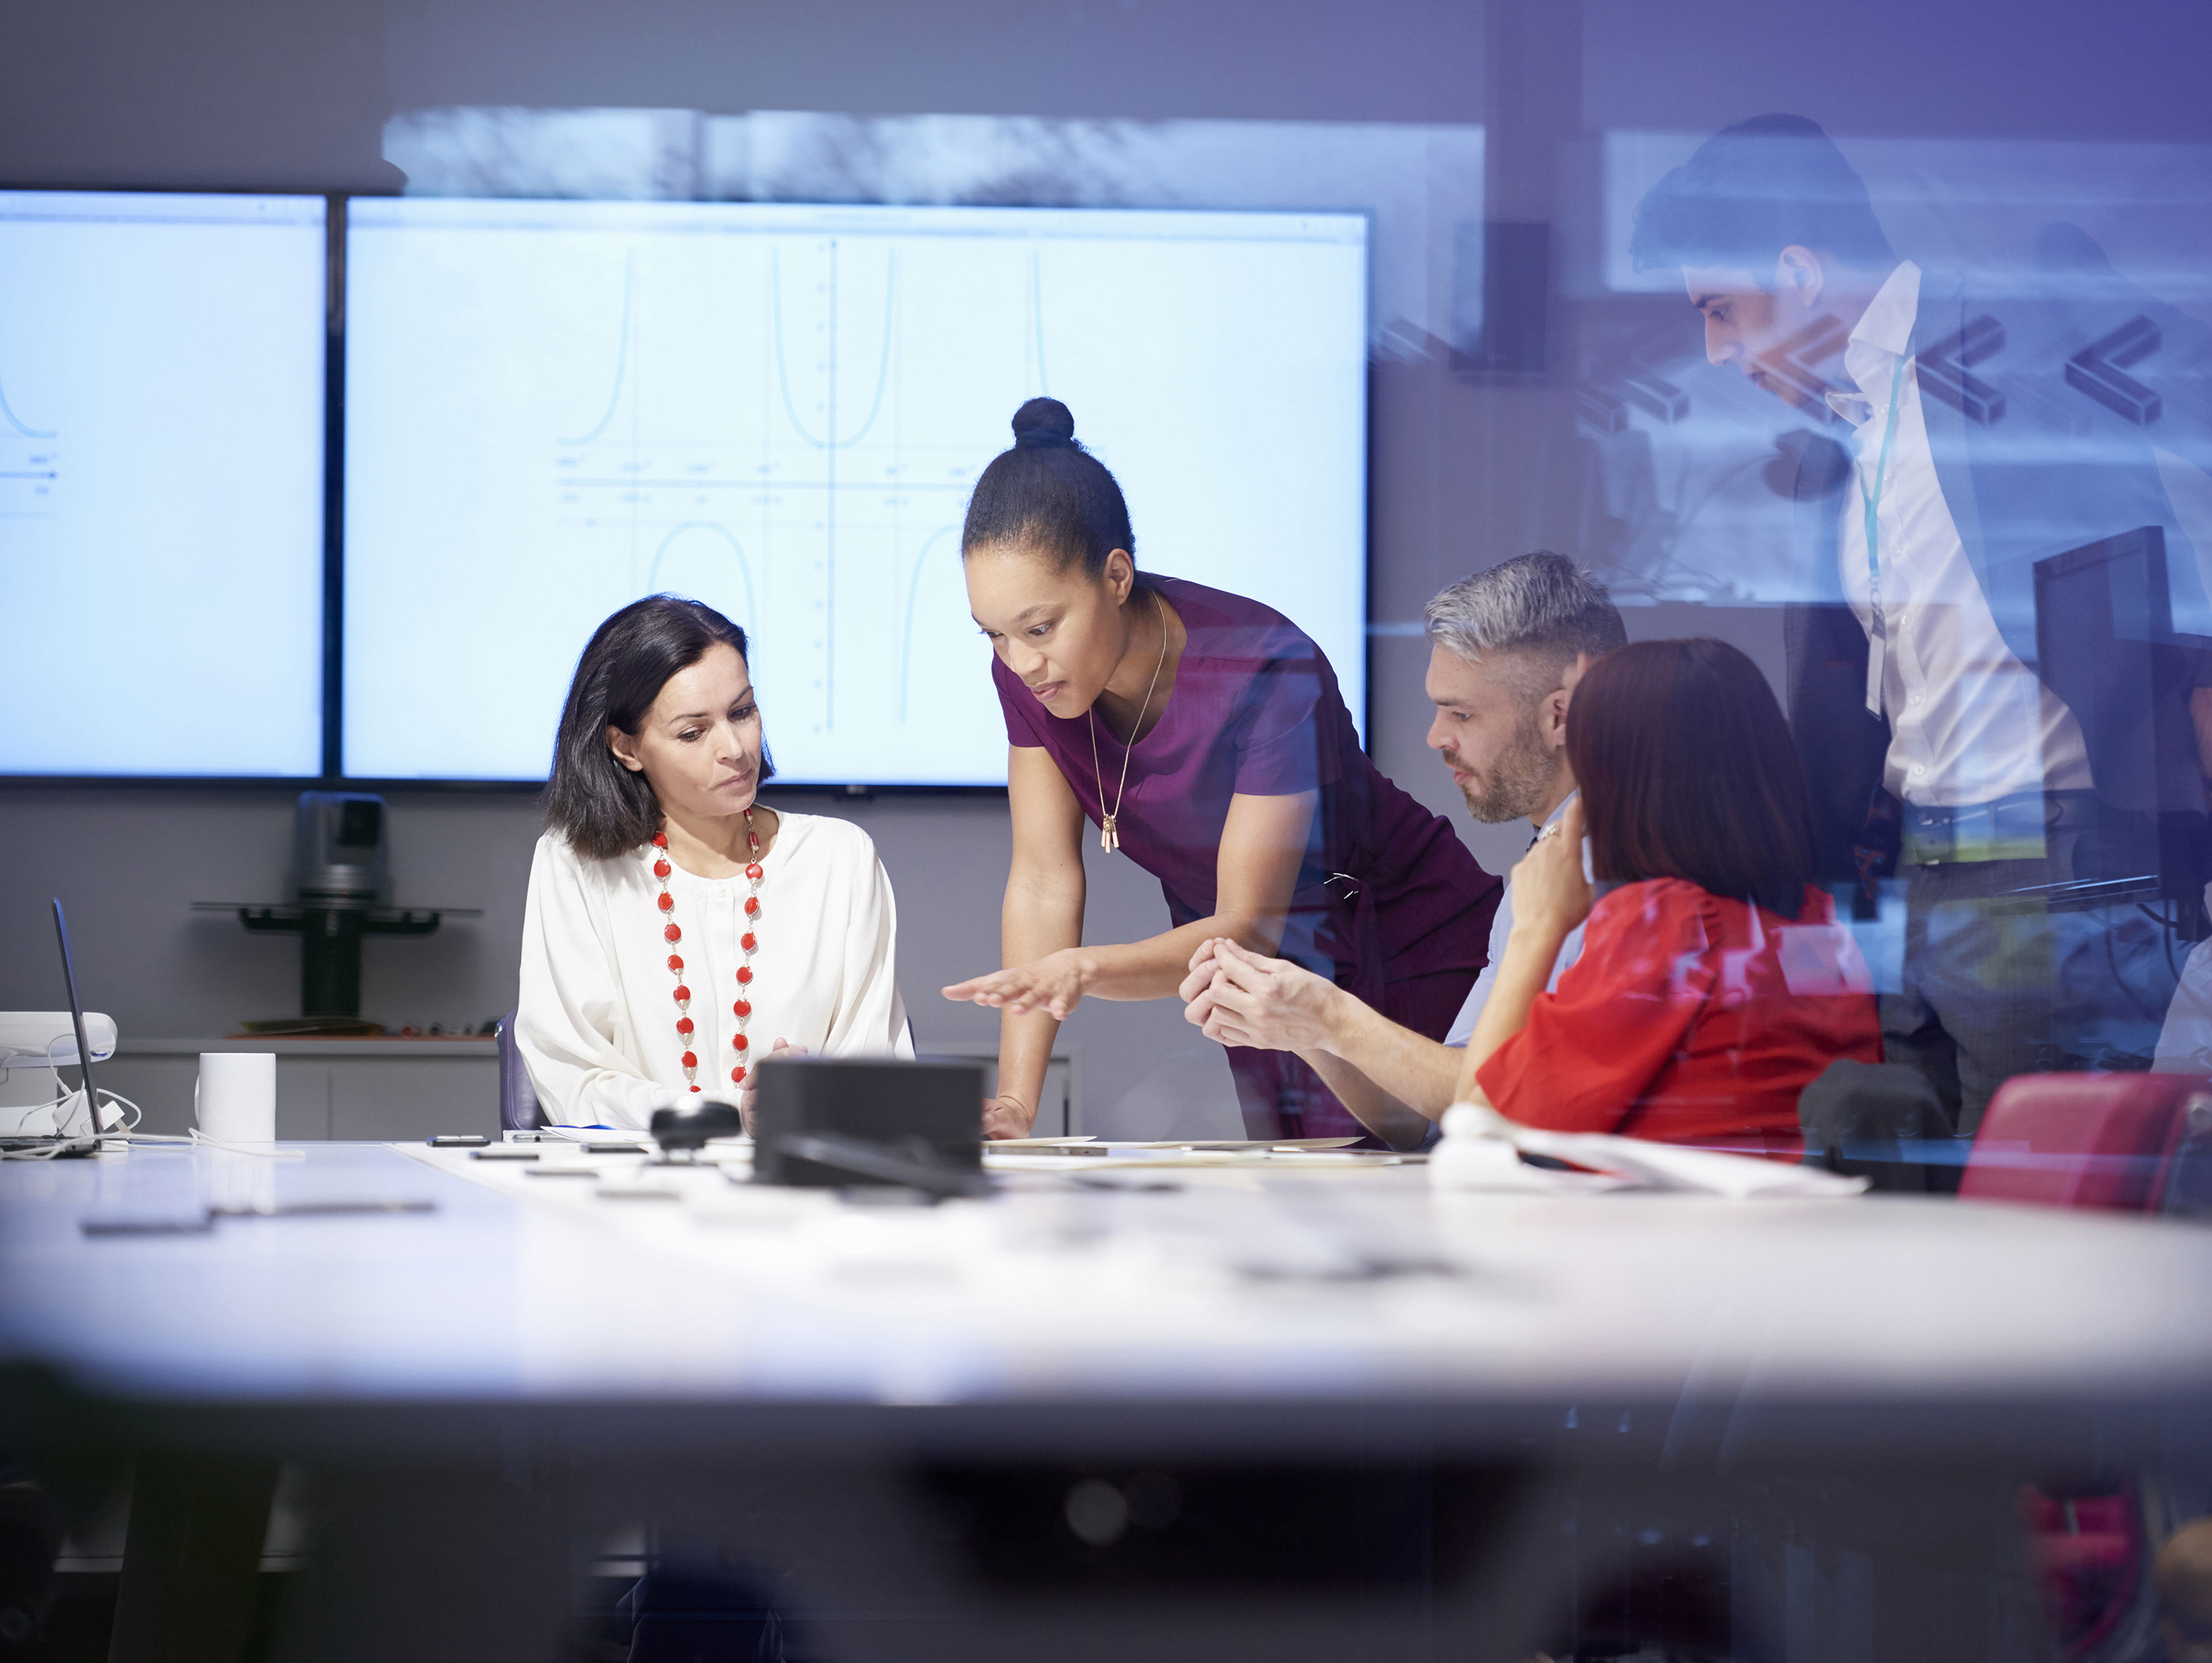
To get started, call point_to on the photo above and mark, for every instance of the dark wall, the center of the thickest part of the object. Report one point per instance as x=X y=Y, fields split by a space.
x=1407 y=60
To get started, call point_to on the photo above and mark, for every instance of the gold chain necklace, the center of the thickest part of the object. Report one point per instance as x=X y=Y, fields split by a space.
x=1109 y=839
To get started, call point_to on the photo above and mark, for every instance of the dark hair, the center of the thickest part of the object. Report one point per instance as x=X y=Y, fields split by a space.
x=1686 y=770
x=1050 y=493
x=599 y=806
x=1754 y=190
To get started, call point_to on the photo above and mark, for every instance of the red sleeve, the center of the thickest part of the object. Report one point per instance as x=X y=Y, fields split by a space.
x=1620 y=1013
x=1017 y=704
x=1288 y=741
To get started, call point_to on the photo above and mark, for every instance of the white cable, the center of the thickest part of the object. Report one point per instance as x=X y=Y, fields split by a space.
x=63 y=1104
x=63 y=1107
x=198 y=1139
x=265 y=1151
x=136 y=1113
x=57 y=1109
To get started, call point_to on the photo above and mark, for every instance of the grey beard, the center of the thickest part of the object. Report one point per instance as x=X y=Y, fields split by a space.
x=1514 y=787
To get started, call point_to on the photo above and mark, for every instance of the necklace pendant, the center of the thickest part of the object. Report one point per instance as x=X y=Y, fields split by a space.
x=1109 y=839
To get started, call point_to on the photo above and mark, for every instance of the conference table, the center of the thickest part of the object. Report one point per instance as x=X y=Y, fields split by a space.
x=1180 y=1403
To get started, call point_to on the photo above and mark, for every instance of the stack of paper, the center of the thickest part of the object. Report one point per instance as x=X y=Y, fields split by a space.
x=1481 y=1150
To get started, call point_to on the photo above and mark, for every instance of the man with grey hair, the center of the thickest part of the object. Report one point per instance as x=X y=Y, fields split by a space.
x=1508 y=645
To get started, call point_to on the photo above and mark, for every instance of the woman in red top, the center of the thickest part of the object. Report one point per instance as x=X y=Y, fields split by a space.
x=1714 y=984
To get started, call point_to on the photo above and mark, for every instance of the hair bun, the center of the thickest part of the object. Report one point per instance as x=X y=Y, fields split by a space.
x=1044 y=424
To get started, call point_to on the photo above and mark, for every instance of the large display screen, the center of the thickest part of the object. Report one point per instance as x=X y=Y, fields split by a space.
x=554 y=408
x=162 y=440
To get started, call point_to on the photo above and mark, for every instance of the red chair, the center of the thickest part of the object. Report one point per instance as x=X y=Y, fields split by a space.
x=2110 y=1142
x=2079 y=1140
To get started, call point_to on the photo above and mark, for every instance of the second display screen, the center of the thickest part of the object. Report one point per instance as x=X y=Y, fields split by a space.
x=555 y=408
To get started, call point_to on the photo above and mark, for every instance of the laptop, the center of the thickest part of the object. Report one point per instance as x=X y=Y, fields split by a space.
x=61 y=1142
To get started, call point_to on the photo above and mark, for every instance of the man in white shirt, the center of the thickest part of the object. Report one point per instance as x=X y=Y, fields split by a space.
x=1508 y=645
x=1914 y=695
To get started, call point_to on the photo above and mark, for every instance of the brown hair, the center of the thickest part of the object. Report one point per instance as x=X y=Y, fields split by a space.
x=1686 y=770
x=601 y=807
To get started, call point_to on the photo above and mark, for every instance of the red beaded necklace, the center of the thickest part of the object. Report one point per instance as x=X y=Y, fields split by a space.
x=743 y=1009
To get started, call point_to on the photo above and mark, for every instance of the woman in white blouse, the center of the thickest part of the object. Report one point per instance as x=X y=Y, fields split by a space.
x=677 y=931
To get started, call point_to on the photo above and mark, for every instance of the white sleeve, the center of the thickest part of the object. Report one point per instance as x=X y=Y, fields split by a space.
x=2185 y=1042
x=871 y=1018
x=566 y=1019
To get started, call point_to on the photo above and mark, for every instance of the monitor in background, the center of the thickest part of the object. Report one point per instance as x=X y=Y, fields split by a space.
x=162 y=439
x=554 y=408
x=2104 y=629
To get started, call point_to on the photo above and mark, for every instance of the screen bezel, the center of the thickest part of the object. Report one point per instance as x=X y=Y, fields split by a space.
x=333 y=394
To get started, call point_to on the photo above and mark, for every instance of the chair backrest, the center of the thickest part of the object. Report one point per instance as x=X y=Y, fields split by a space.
x=518 y=1098
x=2079 y=1140
x=2114 y=1141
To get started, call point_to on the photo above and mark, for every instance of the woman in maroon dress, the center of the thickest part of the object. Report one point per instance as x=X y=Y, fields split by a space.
x=1204 y=735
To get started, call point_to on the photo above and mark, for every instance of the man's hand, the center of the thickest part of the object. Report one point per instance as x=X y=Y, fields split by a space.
x=1054 y=983
x=1240 y=997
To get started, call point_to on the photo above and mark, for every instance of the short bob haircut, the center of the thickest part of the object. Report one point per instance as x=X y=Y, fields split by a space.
x=599 y=806
x=1686 y=770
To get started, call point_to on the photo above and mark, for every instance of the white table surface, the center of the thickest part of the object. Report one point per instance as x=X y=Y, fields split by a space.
x=1239 y=1288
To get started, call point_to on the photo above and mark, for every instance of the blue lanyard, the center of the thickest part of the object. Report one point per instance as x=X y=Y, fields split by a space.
x=1877 y=626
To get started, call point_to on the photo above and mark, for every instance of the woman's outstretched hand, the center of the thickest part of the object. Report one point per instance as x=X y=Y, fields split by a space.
x=1007 y=1117
x=1055 y=984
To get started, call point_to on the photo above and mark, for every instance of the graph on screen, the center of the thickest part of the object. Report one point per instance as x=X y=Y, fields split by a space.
x=161 y=438
x=30 y=466
x=555 y=408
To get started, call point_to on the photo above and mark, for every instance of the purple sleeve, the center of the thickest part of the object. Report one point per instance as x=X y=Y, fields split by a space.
x=1017 y=704
x=1291 y=732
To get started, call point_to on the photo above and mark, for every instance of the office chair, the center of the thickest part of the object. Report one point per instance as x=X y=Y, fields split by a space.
x=2116 y=1143
x=518 y=1098
x=1882 y=1122
x=2078 y=1140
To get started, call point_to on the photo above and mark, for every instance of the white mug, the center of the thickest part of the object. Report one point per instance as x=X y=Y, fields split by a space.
x=234 y=1099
